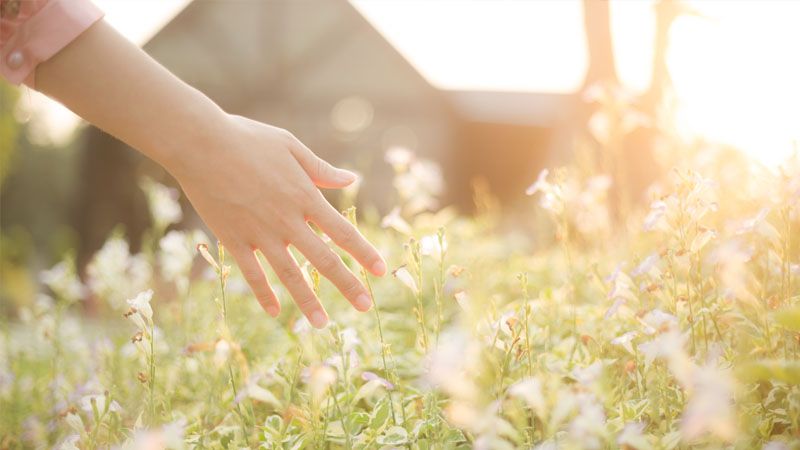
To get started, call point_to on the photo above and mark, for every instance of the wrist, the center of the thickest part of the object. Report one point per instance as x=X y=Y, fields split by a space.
x=185 y=131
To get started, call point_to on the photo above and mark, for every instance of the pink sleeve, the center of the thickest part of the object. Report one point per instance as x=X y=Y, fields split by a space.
x=32 y=31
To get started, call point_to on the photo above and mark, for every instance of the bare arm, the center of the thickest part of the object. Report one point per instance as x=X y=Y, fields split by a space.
x=254 y=185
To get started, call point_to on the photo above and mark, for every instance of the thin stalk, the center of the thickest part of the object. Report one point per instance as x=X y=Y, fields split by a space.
x=388 y=373
x=240 y=413
x=439 y=292
x=683 y=243
x=344 y=423
x=523 y=278
x=152 y=381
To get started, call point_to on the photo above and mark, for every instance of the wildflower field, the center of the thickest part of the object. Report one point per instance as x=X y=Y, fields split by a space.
x=671 y=323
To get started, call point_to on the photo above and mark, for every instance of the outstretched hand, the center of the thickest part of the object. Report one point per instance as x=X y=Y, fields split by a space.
x=256 y=187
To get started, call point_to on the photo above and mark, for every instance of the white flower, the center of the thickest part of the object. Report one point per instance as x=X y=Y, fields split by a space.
x=775 y=445
x=371 y=376
x=429 y=245
x=732 y=259
x=454 y=363
x=669 y=346
x=541 y=184
x=503 y=324
x=350 y=339
x=254 y=391
x=116 y=275
x=404 y=276
x=222 y=351
x=621 y=285
x=654 y=219
x=301 y=327
x=69 y=443
x=428 y=175
x=701 y=240
x=589 y=374
x=169 y=436
x=320 y=378
x=163 y=203
x=589 y=425
x=462 y=298
x=417 y=181
x=399 y=158
x=108 y=266
x=664 y=345
x=600 y=126
x=63 y=281
x=657 y=320
x=142 y=305
x=625 y=340
x=177 y=255
x=75 y=422
x=710 y=407
x=100 y=402
x=530 y=390
x=395 y=221
x=614 y=307
x=750 y=225
x=172 y=434
x=646 y=265
x=632 y=436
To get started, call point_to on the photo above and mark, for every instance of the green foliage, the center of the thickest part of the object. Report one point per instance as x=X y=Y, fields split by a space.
x=673 y=326
x=8 y=128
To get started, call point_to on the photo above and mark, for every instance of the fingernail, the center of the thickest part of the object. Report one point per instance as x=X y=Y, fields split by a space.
x=363 y=303
x=272 y=310
x=318 y=319
x=379 y=268
x=345 y=175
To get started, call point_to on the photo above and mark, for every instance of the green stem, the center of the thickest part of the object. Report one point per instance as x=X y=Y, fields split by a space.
x=383 y=341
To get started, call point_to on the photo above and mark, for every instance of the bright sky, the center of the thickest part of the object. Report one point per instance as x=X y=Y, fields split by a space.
x=735 y=71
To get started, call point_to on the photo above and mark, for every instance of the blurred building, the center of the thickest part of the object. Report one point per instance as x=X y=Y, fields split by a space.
x=319 y=69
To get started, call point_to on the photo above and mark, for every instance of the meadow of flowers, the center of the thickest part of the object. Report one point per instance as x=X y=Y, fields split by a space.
x=671 y=324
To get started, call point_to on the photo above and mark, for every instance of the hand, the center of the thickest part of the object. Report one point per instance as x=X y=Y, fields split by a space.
x=254 y=186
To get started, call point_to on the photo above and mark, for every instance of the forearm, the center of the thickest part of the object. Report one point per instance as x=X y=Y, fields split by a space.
x=111 y=83
x=253 y=184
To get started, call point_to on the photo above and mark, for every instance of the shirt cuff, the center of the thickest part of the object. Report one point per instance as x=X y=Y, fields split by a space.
x=43 y=35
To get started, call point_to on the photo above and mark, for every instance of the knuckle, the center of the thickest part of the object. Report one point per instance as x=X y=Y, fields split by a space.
x=351 y=287
x=289 y=275
x=328 y=262
x=307 y=302
x=349 y=237
x=252 y=274
x=287 y=135
x=319 y=206
x=304 y=196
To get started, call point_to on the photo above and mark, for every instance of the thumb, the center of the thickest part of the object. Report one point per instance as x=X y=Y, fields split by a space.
x=322 y=173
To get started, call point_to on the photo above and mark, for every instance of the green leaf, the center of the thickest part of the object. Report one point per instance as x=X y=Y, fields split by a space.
x=380 y=415
x=671 y=440
x=789 y=318
x=394 y=436
x=367 y=390
x=274 y=422
x=786 y=371
x=356 y=422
